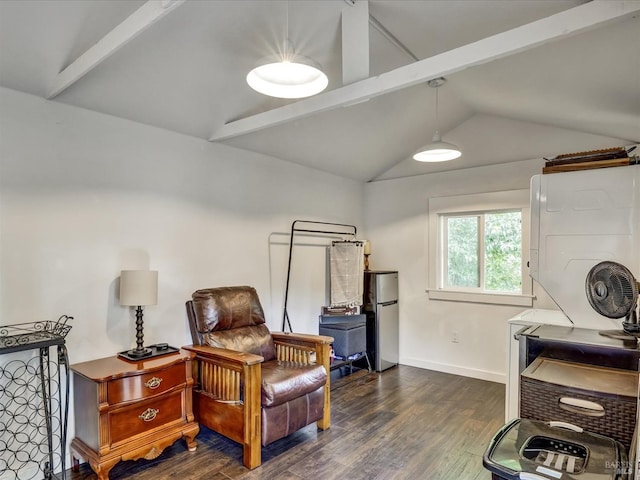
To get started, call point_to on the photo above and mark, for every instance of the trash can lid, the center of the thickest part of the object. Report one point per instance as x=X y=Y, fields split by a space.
x=342 y=326
x=553 y=451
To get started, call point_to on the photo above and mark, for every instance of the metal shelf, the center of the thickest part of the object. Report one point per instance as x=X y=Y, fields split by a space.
x=335 y=364
x=34 y=399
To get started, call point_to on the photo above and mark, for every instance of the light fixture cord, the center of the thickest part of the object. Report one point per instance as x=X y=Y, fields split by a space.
x=286 y=33
x=437 y=117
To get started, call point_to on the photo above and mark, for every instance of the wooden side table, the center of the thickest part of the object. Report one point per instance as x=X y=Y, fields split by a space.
x=131 y=410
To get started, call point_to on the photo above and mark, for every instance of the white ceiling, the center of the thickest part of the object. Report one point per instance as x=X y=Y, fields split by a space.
x=186 y=73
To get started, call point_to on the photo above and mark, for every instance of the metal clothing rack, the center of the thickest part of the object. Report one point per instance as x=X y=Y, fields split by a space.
x=34 y=400
x=352 y=230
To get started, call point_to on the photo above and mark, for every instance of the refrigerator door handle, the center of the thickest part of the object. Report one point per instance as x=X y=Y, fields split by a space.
x=386 y=304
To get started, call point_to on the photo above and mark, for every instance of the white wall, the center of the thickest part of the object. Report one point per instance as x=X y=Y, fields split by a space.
x=85 y=195
x=396 y=220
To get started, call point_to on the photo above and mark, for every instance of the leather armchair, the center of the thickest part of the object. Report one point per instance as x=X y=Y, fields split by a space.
x=252 y=385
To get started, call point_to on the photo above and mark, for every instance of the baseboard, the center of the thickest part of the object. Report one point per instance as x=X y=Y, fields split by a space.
x=456 y=370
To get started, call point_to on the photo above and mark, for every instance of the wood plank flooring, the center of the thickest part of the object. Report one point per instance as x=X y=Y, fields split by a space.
x=404 y=423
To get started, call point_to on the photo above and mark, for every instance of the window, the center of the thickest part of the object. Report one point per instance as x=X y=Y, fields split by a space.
x=478 y=246
x=483 y=251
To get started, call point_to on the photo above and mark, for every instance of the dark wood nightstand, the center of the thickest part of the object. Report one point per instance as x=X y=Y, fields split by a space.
x=131 y=410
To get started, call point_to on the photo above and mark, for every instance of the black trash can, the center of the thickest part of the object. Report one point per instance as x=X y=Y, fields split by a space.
x=348 y=338
x=534 y=450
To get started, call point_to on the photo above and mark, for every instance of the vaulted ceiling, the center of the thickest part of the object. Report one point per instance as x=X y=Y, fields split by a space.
x=525 y=77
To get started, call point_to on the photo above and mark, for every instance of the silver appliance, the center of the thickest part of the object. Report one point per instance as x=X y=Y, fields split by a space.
x=380 y=304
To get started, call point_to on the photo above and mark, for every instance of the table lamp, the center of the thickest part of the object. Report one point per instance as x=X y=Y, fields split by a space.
x=367 y=251
x=138 y=288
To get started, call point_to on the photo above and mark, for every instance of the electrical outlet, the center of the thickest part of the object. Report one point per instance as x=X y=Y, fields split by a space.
x=455 y=338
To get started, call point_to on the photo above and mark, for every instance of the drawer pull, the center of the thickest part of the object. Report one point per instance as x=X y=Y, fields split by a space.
x=153 y=383
x=581 y=407
x=149 y=414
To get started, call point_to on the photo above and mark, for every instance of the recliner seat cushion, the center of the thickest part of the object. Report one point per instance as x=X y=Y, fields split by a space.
x=284 y=381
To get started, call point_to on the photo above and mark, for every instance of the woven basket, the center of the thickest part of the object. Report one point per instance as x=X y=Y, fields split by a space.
x=540 y=400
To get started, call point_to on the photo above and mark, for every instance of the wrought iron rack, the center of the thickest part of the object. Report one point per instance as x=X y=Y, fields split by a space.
x=311 y=227
x=34 y=400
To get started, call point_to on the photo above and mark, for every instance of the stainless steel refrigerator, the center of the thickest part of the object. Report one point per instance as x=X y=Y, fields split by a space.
x=380 y=304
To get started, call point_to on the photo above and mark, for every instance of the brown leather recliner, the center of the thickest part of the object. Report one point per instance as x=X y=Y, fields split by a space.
x=252 y=385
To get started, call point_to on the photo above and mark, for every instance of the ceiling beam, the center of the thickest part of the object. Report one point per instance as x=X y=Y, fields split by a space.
x=132 y=26
x=355 y=41
x=561 y=25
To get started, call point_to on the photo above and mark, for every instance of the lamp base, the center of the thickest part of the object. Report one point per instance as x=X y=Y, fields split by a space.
x=151 y=351
x=139 y=352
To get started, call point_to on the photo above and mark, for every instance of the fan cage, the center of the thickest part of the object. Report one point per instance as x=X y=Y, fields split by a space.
x=611 y=289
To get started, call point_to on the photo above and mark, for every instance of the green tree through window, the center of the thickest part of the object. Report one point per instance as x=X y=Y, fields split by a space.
x=484 y=251
x=503 y=252
x=463 y=266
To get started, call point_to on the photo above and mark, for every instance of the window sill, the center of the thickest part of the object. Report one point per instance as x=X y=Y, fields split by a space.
x=489 y=298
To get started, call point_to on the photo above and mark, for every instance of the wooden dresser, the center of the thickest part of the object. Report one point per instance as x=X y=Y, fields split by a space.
x=131 y=410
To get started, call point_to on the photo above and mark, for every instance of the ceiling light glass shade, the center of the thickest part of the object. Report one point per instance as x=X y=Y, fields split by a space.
x=293 y=77
x=437 y=151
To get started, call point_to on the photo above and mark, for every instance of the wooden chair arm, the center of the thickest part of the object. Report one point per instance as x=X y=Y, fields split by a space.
x=304 y=339
x=222 y=374
x=303 y=348
x=224 y=355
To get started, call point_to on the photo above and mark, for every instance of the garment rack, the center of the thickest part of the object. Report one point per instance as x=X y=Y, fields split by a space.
x=294 y=230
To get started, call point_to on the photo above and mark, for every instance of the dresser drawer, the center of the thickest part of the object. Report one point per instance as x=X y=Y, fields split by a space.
x=132 y=420
x=598 y=399
x=142 y=386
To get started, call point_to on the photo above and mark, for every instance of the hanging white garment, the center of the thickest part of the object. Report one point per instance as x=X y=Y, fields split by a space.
x=347 y=273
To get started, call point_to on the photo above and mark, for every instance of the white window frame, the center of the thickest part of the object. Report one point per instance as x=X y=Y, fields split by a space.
x=479 y=203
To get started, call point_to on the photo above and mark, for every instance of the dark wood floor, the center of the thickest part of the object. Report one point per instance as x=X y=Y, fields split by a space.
x=404 y=423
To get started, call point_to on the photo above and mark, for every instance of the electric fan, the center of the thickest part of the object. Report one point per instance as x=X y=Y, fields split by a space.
x=612 y=291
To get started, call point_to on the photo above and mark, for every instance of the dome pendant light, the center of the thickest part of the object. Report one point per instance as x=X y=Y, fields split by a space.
x=288 y=75
x=437 y=150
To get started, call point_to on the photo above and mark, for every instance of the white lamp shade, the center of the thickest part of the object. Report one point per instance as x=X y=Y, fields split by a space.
x=293 y=77
x=437 y=151
x=138 y=287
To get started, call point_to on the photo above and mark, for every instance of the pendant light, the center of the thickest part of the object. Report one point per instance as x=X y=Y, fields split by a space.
x=287 y=75
x=437 y=150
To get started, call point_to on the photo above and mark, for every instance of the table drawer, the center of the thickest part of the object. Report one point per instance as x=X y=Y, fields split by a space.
x=142 y=386
x=128 y=422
